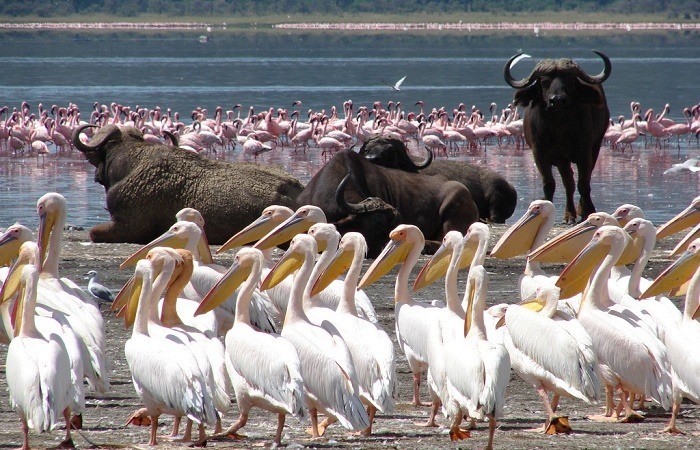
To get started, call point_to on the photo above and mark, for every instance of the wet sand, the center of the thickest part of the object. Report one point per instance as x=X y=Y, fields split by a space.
x=105 y=416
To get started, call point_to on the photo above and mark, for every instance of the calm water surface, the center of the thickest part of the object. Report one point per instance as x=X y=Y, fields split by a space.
x=174 y=70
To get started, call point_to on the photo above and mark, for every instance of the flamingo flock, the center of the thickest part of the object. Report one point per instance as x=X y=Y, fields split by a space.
x=657 y=128
x=203 y=334
x=48 y=131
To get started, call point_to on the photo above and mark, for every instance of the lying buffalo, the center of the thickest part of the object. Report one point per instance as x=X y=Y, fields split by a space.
x=493 y=195
x=566 y=116
x=147 y=184
x=433 y=204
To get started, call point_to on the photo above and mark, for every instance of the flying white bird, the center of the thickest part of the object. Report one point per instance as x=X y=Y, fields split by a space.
x=397 y=86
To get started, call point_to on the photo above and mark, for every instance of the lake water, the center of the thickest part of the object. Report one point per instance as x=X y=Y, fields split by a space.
x=262 y=69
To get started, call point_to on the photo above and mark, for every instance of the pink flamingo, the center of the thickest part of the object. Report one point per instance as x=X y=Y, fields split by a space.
x=629 y=135
x=326 y=143
x=252 y=146
x=655 y=128
x=431 y=141
x=680 y=129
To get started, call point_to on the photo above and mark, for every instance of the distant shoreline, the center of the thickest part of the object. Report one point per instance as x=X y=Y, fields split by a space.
x=366 y=26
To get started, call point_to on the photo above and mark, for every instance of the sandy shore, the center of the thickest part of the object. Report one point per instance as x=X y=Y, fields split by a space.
x=105 y=416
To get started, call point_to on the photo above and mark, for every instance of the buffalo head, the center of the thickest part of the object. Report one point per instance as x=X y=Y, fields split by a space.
x=391 y=152
x=558 y=84
x=372 y=217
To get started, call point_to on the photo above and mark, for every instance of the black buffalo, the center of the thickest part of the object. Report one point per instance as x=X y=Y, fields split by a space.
x=493 y=195
x=566 y=115
x=433 y=204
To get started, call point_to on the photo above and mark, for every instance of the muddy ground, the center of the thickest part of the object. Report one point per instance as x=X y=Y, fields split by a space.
x=105 y=416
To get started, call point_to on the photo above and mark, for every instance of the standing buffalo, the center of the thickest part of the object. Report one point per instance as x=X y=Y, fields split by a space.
x=493 y=195
x=433 y=204
x=566 y=115
x=147 y=184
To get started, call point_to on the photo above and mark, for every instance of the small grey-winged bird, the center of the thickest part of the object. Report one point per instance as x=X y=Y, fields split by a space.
x=97 y=289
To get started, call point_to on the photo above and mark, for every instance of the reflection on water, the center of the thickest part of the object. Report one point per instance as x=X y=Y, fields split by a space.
x=634 y=177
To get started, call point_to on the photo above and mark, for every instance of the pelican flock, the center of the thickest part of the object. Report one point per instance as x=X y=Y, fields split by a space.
x=281 y=342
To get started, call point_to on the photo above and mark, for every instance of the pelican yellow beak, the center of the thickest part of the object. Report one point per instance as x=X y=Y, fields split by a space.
x=685 y=242
x=469 y=249
x=288 y=264
x=47 y=221
x=687 y=218
x=284 y=232
x=167 y=239
x=340 y=263
x=582 y=266
x=132 y=302
x=223 y=289
x=122 y=297
x=518 y=239
x=675 y=275
x=435 y=268
x=395 y=252
x=564 y=247
x=253 y=232
x=204 y=250
x=9 y=248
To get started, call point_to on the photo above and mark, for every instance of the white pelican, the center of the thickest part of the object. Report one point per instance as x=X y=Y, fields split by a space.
x=625 y=213
x=477 y=370
x=188 y=235
x=689 y=217
x=81 y=311
x=269 y=219
x=172 y=270
x=681 y=341
x=370 y=346
x=203 y=253
x=527 y=234
x=448 y=323
x=165 y=374
x=305 y=217
x=264 y=368
x=47 y=321
x=629 y=357
x=326 y=365
x=552 y=354
x=412 y=317
x=40 y=381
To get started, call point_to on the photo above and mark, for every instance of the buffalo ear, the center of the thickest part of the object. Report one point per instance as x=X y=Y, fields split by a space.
x=95 y=157
x=527 y=95
x=588 y=94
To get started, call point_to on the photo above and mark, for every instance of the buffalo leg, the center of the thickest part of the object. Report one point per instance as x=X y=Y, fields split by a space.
x=548 y=183
x=567 y=178
x=585 y=172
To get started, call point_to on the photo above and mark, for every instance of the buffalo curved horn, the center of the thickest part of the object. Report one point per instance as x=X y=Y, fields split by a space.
x=512 y=82
x=351 y=208
x=95 y=143
x=427 y=162
x=602 y=76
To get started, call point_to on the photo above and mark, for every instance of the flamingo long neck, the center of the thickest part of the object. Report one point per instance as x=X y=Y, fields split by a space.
x=347 y=300
x=245 y=295
x=451 y=294
x=401 y=292
x=639 y=266
x=53 y=250
x=596 y=293
x=295 y=307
